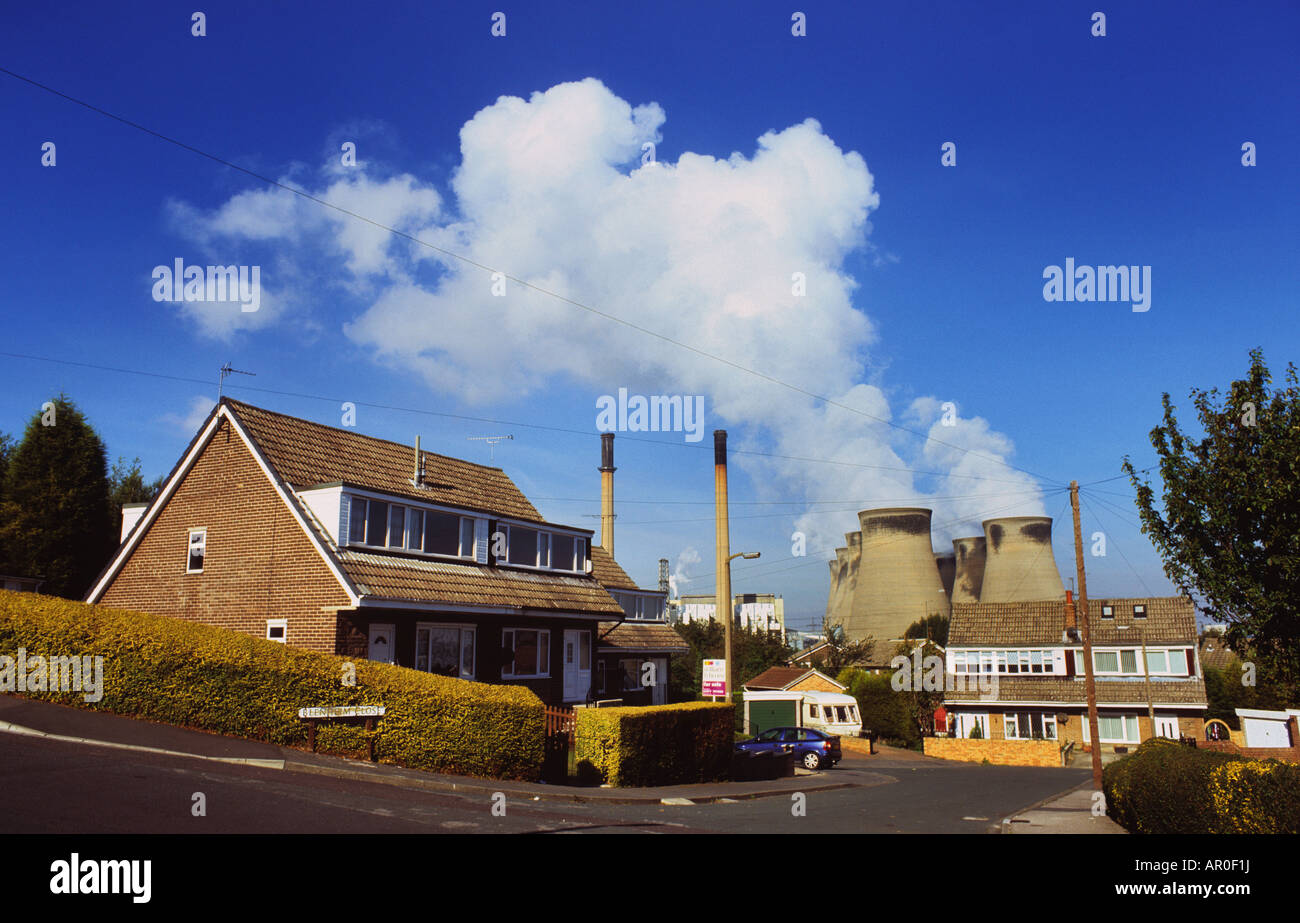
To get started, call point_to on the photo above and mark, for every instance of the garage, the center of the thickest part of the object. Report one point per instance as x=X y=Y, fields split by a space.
x=765 y=710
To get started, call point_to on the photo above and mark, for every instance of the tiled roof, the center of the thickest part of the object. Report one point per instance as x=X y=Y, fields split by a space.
x=641 y=636
x=306 y=453
x=1170 y=619
x=605 y=569
x=1073 y=691
x=427 y=581
x=778 y=678
x=1216 y=655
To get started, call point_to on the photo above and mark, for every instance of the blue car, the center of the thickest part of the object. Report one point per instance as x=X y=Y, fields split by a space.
x=812 y=748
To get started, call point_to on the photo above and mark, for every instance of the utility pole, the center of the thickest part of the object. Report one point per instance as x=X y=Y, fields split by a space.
x=722 y=542
x=1090 y=677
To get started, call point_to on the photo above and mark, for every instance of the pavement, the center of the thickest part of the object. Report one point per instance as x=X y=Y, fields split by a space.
x=1072 y=812
x=29 y=717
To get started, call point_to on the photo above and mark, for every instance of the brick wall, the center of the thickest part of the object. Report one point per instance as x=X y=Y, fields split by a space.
x=997 y=752
x=259 y=564
x=815 y=684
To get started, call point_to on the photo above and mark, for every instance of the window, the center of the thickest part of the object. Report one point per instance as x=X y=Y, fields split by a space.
x=396 y=526
x=1128 y=662
x=376 y=522
x=1105 y=661
x=532 y=652
x=1157 y=661
x=1029 y=725
x=812 y=709
x=276 y=629
x=357 y=521
x=389 y=525
x=198 y=549
x=447 y=650
x=562 y=552
x=1117 y=728
x=543 y=549
x=1139 y=612
x=630 y=670
x=521 y=546
x=414 y=529
x=441 y=533
x=1108 y=612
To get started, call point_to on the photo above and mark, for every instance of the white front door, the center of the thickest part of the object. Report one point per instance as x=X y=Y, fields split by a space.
x=1167 y=726
x=577 y=665
x=381 y=643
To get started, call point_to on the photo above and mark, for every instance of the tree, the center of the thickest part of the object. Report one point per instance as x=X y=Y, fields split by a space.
x=54 y=521
x=126 y=484
x=1229 y=532
x=933 y=627
x=752 y=651
x=843 y=652
x=6 y=449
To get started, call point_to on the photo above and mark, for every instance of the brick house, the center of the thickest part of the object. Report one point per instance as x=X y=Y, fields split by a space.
x=337 y=542
x=1144 y=655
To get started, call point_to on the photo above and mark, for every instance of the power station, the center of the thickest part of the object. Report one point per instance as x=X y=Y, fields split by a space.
x=889 y=576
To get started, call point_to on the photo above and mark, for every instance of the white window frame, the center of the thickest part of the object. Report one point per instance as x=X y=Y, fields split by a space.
x=1049 y=720
x=283 y=625
x=189 y=550
x=510 y=645
x=465 y=554
x=544 y=549
x=462 y=627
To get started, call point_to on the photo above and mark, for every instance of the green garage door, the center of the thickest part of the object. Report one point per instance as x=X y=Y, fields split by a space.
x=771 y=713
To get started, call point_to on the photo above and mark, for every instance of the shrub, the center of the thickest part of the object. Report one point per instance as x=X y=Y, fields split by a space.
x=198 y=676
x=883 y=710
x=1164 y=787
x=656 y=744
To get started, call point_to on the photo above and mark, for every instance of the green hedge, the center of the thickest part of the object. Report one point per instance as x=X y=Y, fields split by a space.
x=197 y=676
x=1164 y=787
x=656 y=744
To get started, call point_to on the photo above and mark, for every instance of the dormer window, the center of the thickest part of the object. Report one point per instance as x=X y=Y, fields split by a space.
x=529 y=547
x=380 y=524
x=1108 y=612
x=1139 y=612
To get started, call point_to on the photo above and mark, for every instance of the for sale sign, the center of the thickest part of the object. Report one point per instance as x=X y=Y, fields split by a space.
x=715 y=677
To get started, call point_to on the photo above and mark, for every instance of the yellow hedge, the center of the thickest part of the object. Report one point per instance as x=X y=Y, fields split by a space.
x=657 y=744
x=197 y=676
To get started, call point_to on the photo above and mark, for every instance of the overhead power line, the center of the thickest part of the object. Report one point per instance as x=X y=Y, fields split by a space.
x=518 y=281
x=473 y=419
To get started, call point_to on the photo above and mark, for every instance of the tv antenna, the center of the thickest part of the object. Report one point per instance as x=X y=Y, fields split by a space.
x=227 y=371
x=491 y=441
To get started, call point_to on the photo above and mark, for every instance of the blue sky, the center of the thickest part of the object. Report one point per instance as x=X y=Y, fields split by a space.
x=924 y=282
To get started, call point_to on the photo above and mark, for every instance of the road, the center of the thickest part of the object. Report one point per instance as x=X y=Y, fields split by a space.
x=51 y=786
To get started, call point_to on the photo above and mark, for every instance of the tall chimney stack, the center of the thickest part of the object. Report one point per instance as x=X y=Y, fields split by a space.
x=722 y=542
x=607 y=492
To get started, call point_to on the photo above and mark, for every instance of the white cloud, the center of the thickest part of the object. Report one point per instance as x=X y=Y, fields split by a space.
x=551 y=190
x=196 y=412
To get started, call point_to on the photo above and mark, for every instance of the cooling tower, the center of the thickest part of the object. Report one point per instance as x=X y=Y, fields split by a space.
x=969 y=577
x=1020 y=565
x=848 y=578
x=835 y=587
x=898 y=580
x=947 y=564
